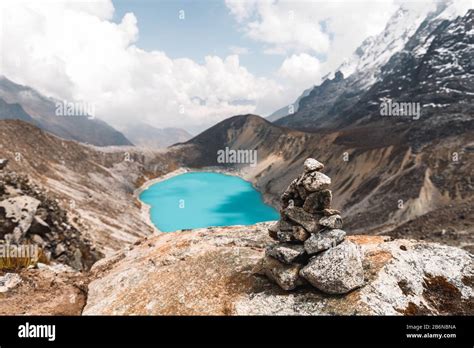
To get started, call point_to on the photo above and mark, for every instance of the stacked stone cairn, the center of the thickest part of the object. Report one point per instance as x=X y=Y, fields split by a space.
x=311 y=246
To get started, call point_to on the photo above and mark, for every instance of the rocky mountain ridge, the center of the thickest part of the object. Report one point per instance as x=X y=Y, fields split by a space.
x=409 y=33
x=94 y=185
x=26 y=104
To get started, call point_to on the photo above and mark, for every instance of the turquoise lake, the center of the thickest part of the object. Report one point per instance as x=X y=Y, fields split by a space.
x=200 y=199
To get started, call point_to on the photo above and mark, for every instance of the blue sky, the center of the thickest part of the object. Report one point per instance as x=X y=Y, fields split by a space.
x=208 y=29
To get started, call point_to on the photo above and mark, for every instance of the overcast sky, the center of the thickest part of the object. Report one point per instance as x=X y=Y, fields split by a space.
x=185 y=64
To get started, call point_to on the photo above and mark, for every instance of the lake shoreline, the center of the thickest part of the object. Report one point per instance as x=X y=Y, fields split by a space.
x=145 y=208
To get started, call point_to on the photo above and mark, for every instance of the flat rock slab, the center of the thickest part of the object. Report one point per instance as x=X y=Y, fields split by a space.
x=333 y=221
x=302 y=218
x=337 y=270
x=323 y=240
x=286 y=276
x=287 y=253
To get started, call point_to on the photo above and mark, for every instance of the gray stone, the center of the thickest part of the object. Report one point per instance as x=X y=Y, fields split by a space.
x=285 y=225
x=300 y=234
x=285 y=236
x=60 y=249
x=287 y=253
x=9 y=281
x=274 y=227
x=273 y=230
x=337 y=270
x=3 y=163
x=333 y=221
x=315 y=181
x=301 y=217
x=323 y=240
x=311 y=165
x=76 y=262
x=20 y=210
x=286 y=276
x=317 y=202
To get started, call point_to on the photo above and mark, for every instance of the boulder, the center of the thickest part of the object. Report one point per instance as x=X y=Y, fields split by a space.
x=301 y=217
x=300 y=234
x=316 y=181
x=318 y=201
x=333 y=221
x=287 y=253
x=337 y=270
x=286 y=276
x=285 y=225
x=21 y=211
x=323 y=240
x=312 y=164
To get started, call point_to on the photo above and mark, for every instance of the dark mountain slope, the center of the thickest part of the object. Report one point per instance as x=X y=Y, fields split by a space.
x=41 y=111
x=378 y=181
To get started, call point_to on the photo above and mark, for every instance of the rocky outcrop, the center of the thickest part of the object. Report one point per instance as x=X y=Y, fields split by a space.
x=94 y=185
x=309 y=229
x=213 y=271
x=29 y=217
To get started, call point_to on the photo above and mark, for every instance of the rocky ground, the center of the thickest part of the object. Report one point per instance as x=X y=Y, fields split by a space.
x=215 y=271
x=93 y=185
x=29 y=217
x=45 y=290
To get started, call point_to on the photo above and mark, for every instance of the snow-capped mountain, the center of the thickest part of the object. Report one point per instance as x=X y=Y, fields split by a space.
x=363 y=68
x=434 y=70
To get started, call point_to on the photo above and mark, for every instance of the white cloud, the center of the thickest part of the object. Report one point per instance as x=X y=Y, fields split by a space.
x=72 y=50
x=238 y=50
x=301 y=69
x=241 y=9
x=333 y=29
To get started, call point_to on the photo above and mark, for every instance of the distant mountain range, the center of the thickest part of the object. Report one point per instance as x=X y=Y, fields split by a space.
x=26 y=104
x=142 y=134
